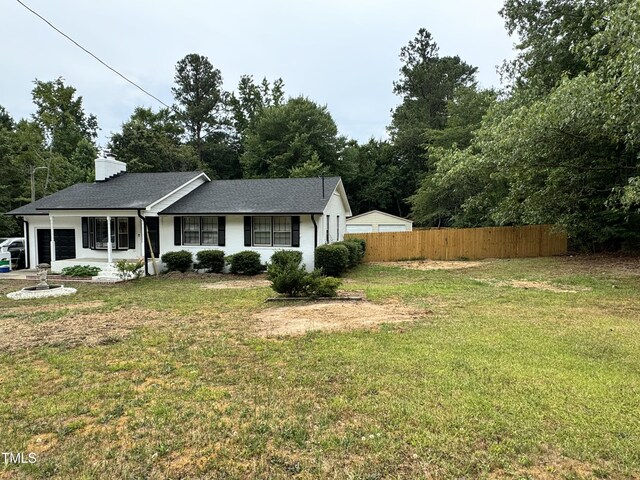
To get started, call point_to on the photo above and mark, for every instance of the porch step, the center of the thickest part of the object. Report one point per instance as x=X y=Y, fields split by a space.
x=107 y=275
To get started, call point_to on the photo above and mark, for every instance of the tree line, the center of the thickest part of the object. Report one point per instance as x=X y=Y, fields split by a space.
x=558 y=144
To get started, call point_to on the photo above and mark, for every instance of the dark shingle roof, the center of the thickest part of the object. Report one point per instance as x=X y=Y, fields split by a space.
x=273 y=195
x=29 y=209
x=126 y=191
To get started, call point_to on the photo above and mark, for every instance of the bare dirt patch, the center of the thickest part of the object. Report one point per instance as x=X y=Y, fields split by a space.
x=525 y=284
x=248 y=283
x=615 y=265
x=432 y=264
x=75 y=329
x=54 y=307
x=331 y=316
x=42 y=443
x=535 y=285
x=550 y=468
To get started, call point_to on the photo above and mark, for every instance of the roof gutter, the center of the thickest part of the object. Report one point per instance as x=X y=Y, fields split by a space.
x=223 y=214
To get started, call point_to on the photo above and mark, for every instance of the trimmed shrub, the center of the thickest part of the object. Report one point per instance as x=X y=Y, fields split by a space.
x=180 y=261
x=80 y=271
x=355 y=251
x=332 y=259
x=362 y=242
x=285 y=257
x=212 y=260
x=245 y=263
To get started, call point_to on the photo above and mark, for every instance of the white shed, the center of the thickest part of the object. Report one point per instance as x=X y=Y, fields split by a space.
x=376 y=221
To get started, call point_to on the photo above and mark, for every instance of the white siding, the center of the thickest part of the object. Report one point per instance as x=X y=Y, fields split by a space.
x=380 y=222
x=174 y=197
x=334 y=209
x=234 y=232
x=359 y=228
x=393 y=227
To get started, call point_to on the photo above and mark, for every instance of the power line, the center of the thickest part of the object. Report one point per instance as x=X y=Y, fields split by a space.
x=94 y=56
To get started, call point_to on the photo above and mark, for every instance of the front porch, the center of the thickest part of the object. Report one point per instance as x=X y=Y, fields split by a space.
x=91 y=238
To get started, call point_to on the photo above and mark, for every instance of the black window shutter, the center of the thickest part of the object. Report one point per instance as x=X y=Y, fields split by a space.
x=132 y=233
x=295 y=231
x=177 y=230
x=247 y=231
x=85 y=232
x=92 y=230
x=222 y=228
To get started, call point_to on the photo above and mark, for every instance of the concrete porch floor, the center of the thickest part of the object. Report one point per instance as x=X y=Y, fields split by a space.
x=18 y=274
x=58 y=265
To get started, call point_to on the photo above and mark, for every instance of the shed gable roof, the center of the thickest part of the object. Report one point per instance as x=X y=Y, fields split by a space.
x=363 y=215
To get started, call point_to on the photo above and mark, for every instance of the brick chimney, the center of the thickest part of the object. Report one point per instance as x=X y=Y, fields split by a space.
x=107 y=166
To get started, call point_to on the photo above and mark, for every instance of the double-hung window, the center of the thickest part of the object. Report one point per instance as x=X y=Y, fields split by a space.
x=198 y=231
x=272 y=231
x=191 y=230
x=95 y=233
x=282 y=231
x=209 y=230
x=262 y=231
x=102 y=235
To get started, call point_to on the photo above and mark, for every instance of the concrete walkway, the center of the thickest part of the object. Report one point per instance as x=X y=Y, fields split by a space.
x=18 y=274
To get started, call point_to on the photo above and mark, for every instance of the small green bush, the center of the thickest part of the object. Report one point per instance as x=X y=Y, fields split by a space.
x=332 y=259
x=288 y=278
x=328 y=287
x=245 y=263
x=180 y=261
x=80 y=271
x=128 y=270
x=212 y=260
x=319 y=286
x=362 y=242
x=285 y=257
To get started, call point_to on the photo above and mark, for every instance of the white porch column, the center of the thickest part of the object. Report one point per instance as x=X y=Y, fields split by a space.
x=109 y=245
x=52 y=243
x=143 y=239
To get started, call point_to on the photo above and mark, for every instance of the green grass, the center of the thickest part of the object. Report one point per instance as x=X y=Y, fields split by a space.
x=494 y=382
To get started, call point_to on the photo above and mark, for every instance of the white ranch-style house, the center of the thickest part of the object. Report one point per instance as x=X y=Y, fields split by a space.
x=143 y=215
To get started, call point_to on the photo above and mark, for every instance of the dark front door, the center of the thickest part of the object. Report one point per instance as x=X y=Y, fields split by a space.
x=65 y=244
x=153 y=227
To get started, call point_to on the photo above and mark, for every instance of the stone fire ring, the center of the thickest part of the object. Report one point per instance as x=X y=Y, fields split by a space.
x=54 y=292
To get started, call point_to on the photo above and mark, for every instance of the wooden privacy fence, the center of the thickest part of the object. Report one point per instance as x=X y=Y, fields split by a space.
x=464 y=243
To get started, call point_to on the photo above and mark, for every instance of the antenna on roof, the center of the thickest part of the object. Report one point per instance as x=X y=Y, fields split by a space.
x=322 y=186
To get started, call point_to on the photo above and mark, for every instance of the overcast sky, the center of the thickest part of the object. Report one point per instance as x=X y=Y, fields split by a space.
x=342 y=53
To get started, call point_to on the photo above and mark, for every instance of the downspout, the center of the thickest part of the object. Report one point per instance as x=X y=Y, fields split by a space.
x=315 y=231
x=144 y=243
x=27 y=252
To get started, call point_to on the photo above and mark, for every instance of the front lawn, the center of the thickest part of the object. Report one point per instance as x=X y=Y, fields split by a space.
x=507 y=369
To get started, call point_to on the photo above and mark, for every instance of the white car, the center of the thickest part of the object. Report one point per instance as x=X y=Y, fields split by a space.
x=15 y=245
